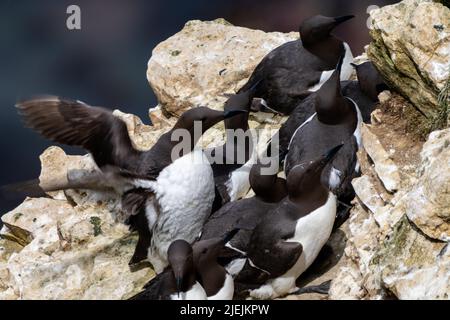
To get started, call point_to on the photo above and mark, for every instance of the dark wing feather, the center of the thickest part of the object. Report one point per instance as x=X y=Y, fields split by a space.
x=133 y=202
x=286 y=78
x=299 y=115
x=159 y=288
x=366 y=105
x=78 y=124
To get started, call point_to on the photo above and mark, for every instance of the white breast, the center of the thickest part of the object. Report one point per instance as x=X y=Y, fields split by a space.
x=185 y=193
x=239 y=183
x=313 y=231
x=235 y=266
x=195 y=293
x=323 y=78
x=357 y=132
x=347 y=69
x=226 y=292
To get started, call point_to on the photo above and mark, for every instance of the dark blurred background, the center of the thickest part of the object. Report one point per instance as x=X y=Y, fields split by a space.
x=105 y=62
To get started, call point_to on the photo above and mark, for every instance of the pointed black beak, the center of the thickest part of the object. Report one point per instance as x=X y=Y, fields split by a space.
x=339 y=64
x=178 y=281
x=232 y=113
x=339 y=20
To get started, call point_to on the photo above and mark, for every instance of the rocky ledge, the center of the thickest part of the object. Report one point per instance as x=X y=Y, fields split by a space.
x=74 y=245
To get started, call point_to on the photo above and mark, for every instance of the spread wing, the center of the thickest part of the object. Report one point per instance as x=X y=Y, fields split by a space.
x=78 y=124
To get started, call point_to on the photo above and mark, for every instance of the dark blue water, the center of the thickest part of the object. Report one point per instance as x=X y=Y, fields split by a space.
x=105 y=63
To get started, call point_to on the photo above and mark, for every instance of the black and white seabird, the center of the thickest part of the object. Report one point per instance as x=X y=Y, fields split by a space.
x=295 y=69
x=365 y=90
x=289 y=238
x=177 y=282
x=232 y=161
x=193 y=273
x=168 y=198
x=217 y=282
x=244 y=214
x=336 y=121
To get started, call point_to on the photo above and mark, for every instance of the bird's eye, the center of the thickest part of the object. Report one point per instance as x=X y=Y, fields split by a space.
x=204 y=251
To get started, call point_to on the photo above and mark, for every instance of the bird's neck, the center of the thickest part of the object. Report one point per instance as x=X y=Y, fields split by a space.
x=328 y=50
x=275 y=193
x=340 y=112
x=309 y=200
x=185 y=139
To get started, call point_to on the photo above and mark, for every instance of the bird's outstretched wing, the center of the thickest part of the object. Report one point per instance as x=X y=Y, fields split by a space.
x=78 y=124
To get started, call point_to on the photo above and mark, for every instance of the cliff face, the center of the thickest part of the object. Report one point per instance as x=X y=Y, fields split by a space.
x=411 y=47
x=399 y=228
x=74 y=245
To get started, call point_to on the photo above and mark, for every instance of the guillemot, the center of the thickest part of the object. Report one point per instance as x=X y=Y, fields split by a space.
x=244 y=214
x=168 y=194
x=193 y=273
x=179 y=281
x=288 y=239
x=232 y=160
x=365 y=90
x=215 y=279
x=295 y=69
x=336 y=121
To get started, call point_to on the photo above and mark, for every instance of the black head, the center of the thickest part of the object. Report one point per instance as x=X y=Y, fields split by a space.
x=240 y=101
x=267 y=185
x=331 y=106
x=305 y=180
x=208 y=117
x=181 y=260
x=370 y=81
x=319 y=27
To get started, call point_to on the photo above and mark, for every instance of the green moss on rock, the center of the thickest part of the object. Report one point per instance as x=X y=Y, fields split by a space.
x=406 y=247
